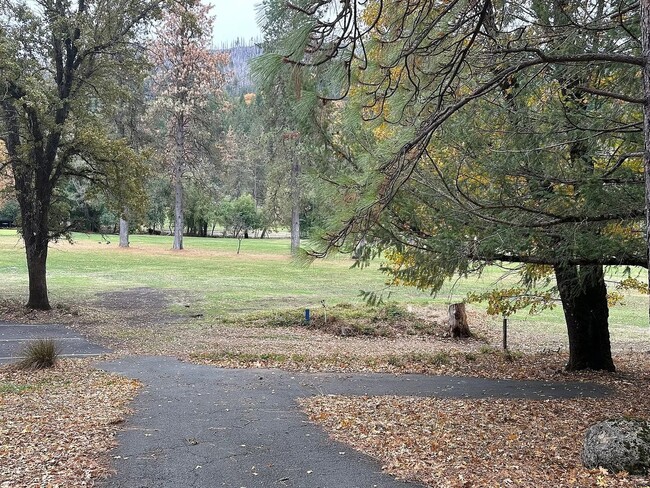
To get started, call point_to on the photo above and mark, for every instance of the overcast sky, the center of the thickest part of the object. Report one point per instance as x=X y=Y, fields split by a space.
x=234 y=18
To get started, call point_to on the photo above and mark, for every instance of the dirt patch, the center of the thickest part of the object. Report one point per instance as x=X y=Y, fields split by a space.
x=146 y=306
x=134 y=299
x=139 y=320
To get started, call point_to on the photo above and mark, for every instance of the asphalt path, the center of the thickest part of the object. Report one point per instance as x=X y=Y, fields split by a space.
x=14 y=338
x=202 y=426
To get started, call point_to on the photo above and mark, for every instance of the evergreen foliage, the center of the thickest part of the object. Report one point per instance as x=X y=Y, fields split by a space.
x=482 y=132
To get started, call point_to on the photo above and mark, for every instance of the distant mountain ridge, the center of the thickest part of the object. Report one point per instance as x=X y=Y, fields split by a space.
x=241 y=52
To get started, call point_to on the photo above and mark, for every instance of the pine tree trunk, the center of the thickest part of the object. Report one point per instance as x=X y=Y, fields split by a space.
x=124 y=230
x=295 y=206
x=645 y=47
x=584 y=299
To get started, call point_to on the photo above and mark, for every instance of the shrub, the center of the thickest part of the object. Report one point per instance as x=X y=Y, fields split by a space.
x=485 y=349
x=40 y=354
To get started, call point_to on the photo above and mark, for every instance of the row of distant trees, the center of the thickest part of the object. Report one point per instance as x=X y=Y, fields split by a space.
x=231 y=217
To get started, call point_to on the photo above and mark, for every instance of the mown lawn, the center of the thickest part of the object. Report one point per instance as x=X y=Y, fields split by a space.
x=262 y=277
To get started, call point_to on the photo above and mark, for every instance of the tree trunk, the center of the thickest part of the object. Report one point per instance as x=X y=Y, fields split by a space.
x=178 y=212
x=178 y=185
x=36 y=250
x=35 y=229
x=124 y=230
x=35 y=209
x=645 y=46
x=295 y=206
x=33 y=184
x=458 y=326
x=584 y=299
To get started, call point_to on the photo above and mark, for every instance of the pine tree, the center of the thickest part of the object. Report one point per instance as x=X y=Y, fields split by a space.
x=491 y=132
x=188 y=74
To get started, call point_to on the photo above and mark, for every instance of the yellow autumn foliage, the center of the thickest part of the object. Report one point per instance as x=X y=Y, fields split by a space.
x=249 y=98
x=398 y=261
x=623 y=231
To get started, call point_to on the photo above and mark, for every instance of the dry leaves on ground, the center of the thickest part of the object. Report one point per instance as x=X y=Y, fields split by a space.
x=440 y=442
x=483 y=362
x=485 y=442
x=56 y=424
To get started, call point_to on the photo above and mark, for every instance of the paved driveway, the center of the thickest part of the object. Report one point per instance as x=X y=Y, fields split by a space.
x=206 y=427
x=13 y=339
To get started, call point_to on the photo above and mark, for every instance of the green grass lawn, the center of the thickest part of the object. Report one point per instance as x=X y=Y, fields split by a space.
x=262 y=277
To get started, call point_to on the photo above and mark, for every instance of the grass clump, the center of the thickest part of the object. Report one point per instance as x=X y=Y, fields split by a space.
x=437 y=359
x=40 y=354
x=273 y=318
x=511 y=356
x=391 y=313
x=14 y=388
x=344 y=320
x=390 y=320
x=487 y=350
x=440 y=358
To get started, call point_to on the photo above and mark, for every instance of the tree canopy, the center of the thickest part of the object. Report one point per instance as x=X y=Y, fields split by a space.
x=62 y=67
x=188 y=77
x=488 y=132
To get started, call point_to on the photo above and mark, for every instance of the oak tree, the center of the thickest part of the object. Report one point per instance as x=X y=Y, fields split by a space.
x=61 y=63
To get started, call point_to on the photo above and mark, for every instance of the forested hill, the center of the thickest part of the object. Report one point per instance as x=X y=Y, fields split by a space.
x=241 y=52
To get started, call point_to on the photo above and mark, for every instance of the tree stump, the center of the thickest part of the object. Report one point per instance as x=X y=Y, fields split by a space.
x=458 y=326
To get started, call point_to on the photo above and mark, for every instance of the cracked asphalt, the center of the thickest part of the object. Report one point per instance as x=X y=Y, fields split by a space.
x=202 y=426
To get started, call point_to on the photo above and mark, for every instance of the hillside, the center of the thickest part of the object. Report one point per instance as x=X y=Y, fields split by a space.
x=241 y=52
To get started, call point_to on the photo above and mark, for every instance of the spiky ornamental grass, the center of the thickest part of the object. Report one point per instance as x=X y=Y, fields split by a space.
x=40 y=354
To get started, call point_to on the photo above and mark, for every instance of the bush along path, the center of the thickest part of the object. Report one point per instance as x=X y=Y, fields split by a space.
x=202 y=426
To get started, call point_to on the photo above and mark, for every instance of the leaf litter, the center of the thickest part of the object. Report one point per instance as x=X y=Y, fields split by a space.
x=57 y=425
x=488 y=442
x=439 y=442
